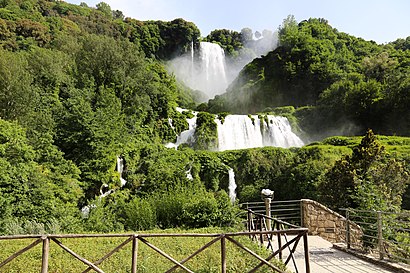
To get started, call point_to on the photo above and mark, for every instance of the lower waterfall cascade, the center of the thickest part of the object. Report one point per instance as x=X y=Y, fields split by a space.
x=244 y=132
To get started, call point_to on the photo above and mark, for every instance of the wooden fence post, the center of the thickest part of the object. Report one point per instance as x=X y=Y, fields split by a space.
x=134 y=254
x=223 y=253
x=279 y=241
x=306 y=249
x=44 y=255
x=268 y=214
x=249 y=218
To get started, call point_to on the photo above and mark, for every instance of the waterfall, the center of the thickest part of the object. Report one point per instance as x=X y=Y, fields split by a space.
x=186 y=136
x=205 y=71
x=243 y=132
x=232 y=185
x=120 y=169
x=212 y=66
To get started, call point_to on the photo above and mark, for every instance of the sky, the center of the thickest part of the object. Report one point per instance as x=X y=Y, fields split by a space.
x=382 y=21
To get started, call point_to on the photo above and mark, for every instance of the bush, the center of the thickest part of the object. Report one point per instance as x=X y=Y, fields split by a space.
x=206 y=133
x=169 y=208
x=140 y=214
x=102 y=217
x=192 y=209
x=228 y=211
x=201 y=212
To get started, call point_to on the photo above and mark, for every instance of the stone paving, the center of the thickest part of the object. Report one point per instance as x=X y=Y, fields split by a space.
x=325 y=259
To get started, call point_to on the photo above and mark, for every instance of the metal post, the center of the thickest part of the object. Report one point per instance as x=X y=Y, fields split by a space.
x=44 y=258
x=380 y=234
x=268 y=214
x=347 y=229
x=302 y=214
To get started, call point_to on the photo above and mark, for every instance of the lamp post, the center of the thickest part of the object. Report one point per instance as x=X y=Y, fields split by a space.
x=267 y=194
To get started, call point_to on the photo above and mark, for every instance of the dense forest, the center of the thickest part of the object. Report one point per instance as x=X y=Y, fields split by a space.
x=81 y=87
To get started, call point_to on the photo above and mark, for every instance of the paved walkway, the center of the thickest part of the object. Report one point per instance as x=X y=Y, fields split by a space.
x=325 y=259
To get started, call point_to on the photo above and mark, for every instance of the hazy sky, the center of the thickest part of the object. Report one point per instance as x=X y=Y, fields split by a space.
x=379 y=20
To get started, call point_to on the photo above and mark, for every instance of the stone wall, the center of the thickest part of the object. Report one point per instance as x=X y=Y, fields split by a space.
x=328 y=224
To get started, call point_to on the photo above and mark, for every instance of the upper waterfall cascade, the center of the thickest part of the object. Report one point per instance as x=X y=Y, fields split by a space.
x=206 y=72
x=212 y=69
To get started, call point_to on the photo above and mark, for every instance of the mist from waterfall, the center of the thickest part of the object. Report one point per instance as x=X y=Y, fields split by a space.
x=205 y=73
x=208 y=70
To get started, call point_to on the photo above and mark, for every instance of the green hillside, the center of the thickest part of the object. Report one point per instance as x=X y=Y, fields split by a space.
x=339 y=84
x=82 y=86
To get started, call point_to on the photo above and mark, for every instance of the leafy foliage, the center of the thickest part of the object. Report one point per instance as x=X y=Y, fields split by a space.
x=367 y=179
x=81 y=87
x=345 y=81
x=206 y=131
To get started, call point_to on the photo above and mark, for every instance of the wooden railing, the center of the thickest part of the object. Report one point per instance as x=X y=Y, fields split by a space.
x=279 y=230
x=49 y=241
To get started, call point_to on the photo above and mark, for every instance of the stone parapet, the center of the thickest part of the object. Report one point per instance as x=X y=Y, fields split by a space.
x=328 y=224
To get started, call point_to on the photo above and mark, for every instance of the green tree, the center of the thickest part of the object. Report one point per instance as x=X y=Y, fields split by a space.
x=206 y=134
x=91 y=133
x=105 y=9
x=30 y=191
x=16 y=92
x=246 y=35
x=367 y=179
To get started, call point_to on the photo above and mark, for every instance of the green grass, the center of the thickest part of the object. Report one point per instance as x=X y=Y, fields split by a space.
x=150 y=261
x=395 y=145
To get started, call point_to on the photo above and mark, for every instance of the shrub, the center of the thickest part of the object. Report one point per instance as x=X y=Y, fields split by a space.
x=169 y=208
x=201 y=212
x=140 y=214
x=206 y=133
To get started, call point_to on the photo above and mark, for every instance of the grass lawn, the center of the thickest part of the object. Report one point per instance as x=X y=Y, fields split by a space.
x=149 y=260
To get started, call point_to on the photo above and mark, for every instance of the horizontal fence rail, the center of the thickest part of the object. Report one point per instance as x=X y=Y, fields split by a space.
x=289 y=211
x=49 y=241
x=384 y=235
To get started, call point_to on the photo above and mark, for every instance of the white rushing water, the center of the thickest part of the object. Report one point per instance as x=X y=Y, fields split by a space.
x=206 y=73
x=232 y=185
x=212 y=67
x=243 y=132
x=120 y=169
x=186 y=136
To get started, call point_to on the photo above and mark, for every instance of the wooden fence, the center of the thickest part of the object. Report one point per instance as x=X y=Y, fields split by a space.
x=48 y=241
x=261 y=222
